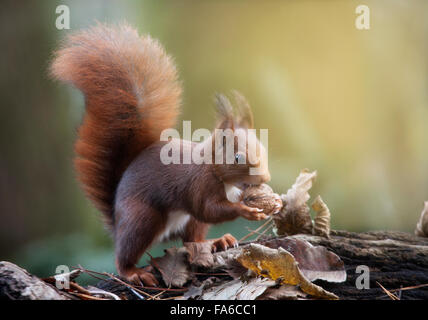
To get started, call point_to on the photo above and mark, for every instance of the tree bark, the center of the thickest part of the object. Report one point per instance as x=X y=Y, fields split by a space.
x=395 y=260
x=17 y=284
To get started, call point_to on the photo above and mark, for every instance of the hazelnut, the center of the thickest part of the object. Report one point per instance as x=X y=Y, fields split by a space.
x=262 y=197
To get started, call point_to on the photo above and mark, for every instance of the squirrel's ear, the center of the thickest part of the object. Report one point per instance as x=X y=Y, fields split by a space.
x=225 y=117
x=246 y=119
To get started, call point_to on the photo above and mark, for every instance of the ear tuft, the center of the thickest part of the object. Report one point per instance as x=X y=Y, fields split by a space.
x=245 y=115
x=225 y=116
x=228 y=116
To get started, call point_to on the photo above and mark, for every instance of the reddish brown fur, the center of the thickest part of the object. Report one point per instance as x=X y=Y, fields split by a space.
x=131 y=92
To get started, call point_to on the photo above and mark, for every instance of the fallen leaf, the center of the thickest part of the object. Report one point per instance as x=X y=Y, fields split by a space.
x=294 y=217
x=279 y=265
x=315 y=262
x=293 y=222
x=173 y=266
x=235 y=269
x=200 y=253
x=283 y=292
x=322 y=218
x=298 y=194
x=422 y=225
x=195 y=291
x=223 y=258
x=238 y=290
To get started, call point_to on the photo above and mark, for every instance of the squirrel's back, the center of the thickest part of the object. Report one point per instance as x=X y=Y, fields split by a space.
x=131 y=94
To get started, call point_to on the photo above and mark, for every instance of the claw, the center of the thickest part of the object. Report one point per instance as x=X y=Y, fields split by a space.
x=224 y=243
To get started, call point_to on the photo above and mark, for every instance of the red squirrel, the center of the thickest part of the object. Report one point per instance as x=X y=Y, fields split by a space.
x=132 y=94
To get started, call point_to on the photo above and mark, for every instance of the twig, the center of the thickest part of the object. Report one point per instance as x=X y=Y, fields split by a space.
x=162 y=289
x=137 y=294
x=211 y=274
x=86 y=296
x=159 y=294
x=410 y=288
x=89 y=272
x=255 y=231
x=98 y=291
x=131 y=286
x=172 y=298
x=116 y=279
x=77 y=287
x=391 y=295
x=269 y=227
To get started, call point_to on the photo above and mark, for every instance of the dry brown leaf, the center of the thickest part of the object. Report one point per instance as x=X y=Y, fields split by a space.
x=173 y=266
x=235 y=269
x=283 y=292
x=294 y=217
x=279 y=265
x=322 y=218
x=315 y=262
x=422 y=225
x=298 y=194
x=293 y=222
x=238 y=290
x=200 y=253
x=225 y=258
x=195 y=291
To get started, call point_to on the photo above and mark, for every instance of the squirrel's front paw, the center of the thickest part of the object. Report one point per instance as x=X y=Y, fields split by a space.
x=250 y=213
x=225 y=242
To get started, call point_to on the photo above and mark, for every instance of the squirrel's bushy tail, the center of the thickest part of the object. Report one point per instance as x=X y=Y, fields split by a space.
x=131 y=94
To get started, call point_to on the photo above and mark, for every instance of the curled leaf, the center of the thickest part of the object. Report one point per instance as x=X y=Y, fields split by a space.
x=298 y=194
x=281 y=266
x=322 y=218
x=294 y=217
x=422 y=225
x=293 y=222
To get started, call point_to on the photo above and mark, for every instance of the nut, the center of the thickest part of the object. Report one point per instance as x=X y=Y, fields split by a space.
x=262 y=197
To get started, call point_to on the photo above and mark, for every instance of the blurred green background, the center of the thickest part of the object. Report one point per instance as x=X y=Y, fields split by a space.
x=352 y=104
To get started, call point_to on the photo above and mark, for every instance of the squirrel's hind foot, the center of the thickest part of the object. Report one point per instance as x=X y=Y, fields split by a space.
x=140 y=276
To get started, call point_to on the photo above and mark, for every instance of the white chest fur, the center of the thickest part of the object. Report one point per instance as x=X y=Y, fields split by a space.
x=176 y=223
x=233 y=193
